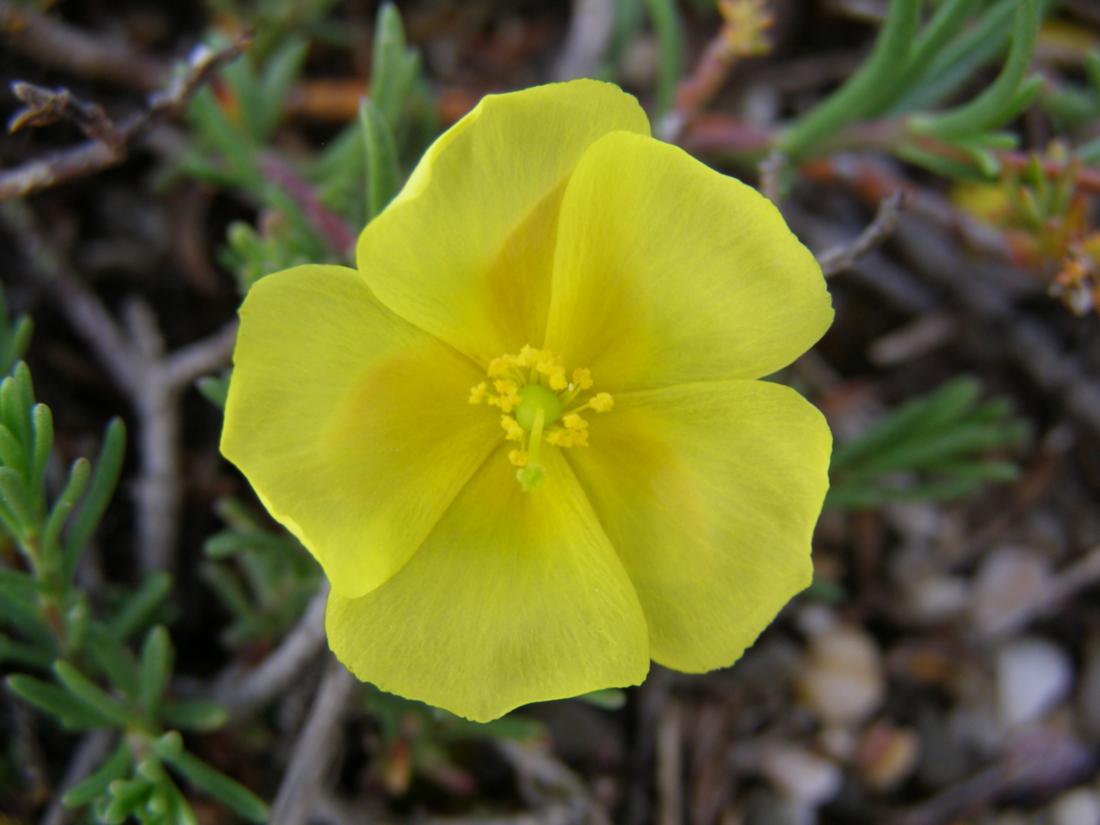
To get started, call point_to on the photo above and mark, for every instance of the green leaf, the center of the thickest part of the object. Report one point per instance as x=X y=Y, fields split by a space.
x=393 y=67
x=112 y=659
x=77 y=483
x=944 y=25
x=279 y=75
x=11 y=452
x=16 y=498
x=16 y=402
x=14 y=336
x=95 y=784
x=205 y=778
x=24 y=654
x=861 y=94
x=237 y=149
x=606 y=699
x=215 y=389
x=199 y=715
x=108 y=467
x=156 y=669
x=825 y=590
x=995 y=104
x=181 y=811
x=91 y=695
x=383 y=174
x=665 y=18
x=957 y=62
x=42 y=428
x=136 y=611
x=59 y=703
x=126 y=796
x=24 y=617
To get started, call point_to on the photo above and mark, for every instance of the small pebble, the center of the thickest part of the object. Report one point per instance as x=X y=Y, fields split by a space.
x=798 y=774
x=1077 y=807
x=843 y=681
x=1033 y=675
x=887 y=755
x=1008 y=581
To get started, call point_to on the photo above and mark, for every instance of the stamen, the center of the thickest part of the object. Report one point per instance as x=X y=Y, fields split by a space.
x=512 y=430
x=602 y=402
x=479 y=393
x=539 y=403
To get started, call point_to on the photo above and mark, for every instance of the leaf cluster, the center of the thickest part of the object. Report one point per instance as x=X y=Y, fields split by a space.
x=933 y=448
x=72 y=657
x=916 y=66
x=263 y=578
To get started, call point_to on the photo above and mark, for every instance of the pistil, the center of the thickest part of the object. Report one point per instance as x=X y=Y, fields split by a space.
x=539 y=404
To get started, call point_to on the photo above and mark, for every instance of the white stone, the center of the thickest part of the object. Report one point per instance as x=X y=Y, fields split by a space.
x=1033 y=675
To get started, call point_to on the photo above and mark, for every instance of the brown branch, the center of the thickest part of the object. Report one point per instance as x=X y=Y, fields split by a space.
x=740 y=35
x=58 y=45
x=135 y=359
x=873 y=179
x=44 y=106
x=110 y=142
x=841 y=258
x=315 y=748
x=244 y=693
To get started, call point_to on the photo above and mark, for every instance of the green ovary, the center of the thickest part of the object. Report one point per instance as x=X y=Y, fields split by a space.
x=535 y=397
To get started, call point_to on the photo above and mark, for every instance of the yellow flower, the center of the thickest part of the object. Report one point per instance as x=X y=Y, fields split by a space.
x=548 y=266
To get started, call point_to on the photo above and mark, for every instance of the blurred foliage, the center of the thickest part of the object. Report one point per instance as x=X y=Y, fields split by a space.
x=416 y=741
x=81 y=666
x=264 y=578
x=933 y=448
x=913 y=68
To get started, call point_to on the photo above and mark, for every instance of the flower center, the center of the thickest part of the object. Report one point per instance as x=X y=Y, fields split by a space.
x=534 y=395
x=533 y=399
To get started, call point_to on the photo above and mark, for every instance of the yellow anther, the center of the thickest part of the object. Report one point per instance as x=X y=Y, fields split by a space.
x=559 y=437
x=527 y=356
x=541 y=404
x=499 y=366
x=547 y=362
x=601 y=402
x=572 y=421
x=479 y=393
x=512 y=430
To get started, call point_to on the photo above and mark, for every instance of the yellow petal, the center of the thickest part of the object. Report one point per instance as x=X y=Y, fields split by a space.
x=515 y=598
x=465 y=250
x=352 y=425
x=668 y=272
x=710 y=493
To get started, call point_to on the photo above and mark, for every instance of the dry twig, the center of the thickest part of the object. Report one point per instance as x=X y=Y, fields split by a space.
x=136 y=361
x=590 y=27
x=841 y=258
x=315 y=749
x=243 y=694
x=109 y=144
x=55 y=44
